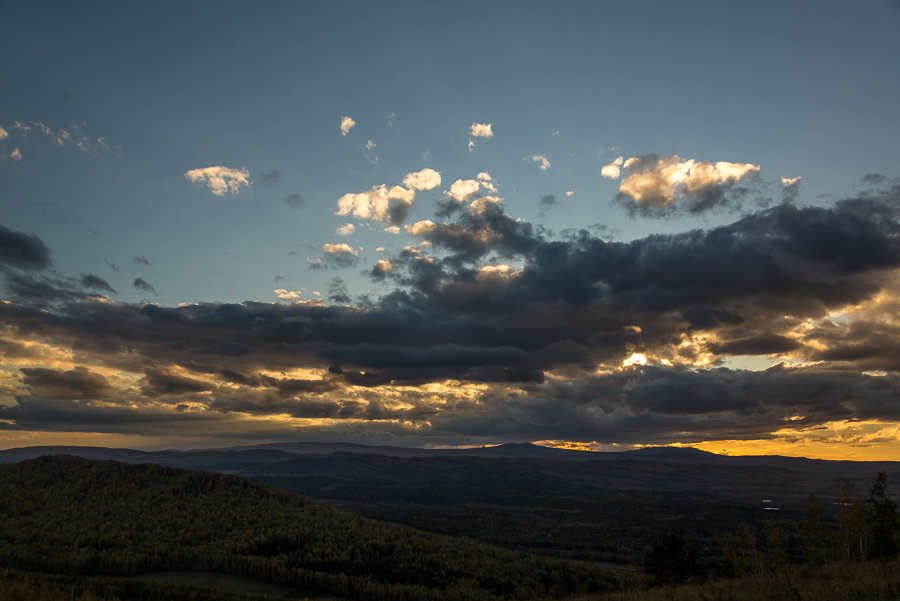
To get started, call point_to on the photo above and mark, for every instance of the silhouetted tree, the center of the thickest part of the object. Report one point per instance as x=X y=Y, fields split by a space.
x=669 y=561
x=883 y=520
x=818 y=539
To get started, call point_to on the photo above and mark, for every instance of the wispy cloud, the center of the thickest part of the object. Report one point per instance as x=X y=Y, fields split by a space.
x=220 y=179
x=541 y=160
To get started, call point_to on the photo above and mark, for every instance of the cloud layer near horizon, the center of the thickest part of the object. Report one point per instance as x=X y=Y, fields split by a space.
x=494 y=330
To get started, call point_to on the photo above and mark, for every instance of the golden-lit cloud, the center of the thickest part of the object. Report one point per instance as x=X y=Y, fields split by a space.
x=541 y=160
x=612 y=170
x=346 y=124
x=220 y=179
x=481 y=130
x=387 y=205
x=655 y=185
x=333 y=249
x=426 y=179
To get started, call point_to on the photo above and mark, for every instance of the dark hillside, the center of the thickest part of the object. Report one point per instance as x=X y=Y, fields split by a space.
x=69 y=515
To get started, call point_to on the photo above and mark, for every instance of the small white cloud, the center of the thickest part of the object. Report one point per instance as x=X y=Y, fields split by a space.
x=287 y=294
x=370 y=145
x=15 y=155
x=421 y=228
x=484 y=176
x=464 y=189
x=393 y=229
x=380 y=249
x=570 y=193
x=481 y=130
x=337 y=249
x=346 y=124
x=220 y=179
x=471 y=145
x=346 y=230
x=3 y=134
x=383 y=267
x=556 y=133
x=387 y=205
x=790 y=181
x=544 y=163
x=613 y=170
x=426 y=179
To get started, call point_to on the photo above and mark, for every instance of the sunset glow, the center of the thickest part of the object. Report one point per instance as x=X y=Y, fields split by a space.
x=297 y=225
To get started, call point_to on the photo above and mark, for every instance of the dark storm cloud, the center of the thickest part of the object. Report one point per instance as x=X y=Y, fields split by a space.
x=78 y=383
x=295 y=201
x=542 y=343
x=143 y=285
x=24 y=251
x=157 y=383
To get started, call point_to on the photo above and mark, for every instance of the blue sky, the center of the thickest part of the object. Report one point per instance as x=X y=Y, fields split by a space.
x=117 y=119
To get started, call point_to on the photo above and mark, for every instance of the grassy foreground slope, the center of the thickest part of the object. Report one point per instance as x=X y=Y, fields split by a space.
x=876 y=580
x=67 y=515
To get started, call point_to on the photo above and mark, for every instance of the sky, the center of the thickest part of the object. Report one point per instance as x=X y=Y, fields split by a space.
x=591 y=225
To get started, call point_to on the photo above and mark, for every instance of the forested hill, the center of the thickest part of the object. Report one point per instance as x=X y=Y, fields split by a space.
x=69 y=515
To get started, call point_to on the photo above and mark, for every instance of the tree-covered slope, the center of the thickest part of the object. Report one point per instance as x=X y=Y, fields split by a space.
x=64 y=514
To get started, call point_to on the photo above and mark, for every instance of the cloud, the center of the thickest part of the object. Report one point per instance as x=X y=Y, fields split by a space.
x=481 y=130
x=547 y=202
x=471 y=145
x=656 y=186
x=370 y=145
x=386 y=205
x=382 y=268
x=346 y=124
x=346 y=230
x=23 y=251
x=143 y=285
x=142 y=261
x=332 y=249
x=336 y=256
x=3 y=134
x=295 y=201
x=426 y=179
x=464 y=189
x=77 y=383
x=220 y=179
x=613 y=169
x=271 y=178
x=570 y=193
x=287 y=295
x=791 y=191
x=95 y=282
x=497 y=330
x=544 y=163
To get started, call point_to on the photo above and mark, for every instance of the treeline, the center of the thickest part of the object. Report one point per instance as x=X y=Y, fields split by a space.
x=865 y=528
x=67 y=515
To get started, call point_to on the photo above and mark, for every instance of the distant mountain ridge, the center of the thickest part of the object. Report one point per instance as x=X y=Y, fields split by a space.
x=263 y=454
